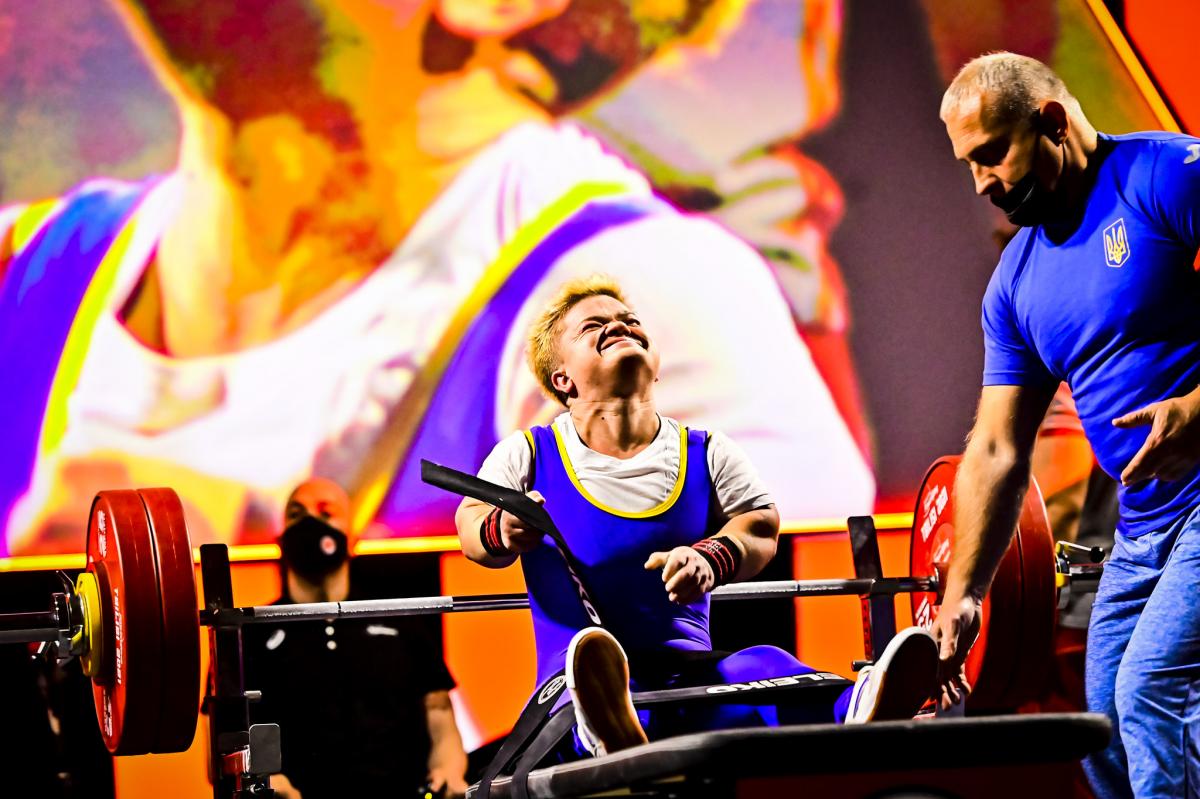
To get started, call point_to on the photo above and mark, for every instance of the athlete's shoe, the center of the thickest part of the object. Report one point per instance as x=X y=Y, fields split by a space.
x=598 y=681
x=899 y=682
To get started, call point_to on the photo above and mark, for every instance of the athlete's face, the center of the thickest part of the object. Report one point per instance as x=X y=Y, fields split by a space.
x=604 y=352
x=1000 y=154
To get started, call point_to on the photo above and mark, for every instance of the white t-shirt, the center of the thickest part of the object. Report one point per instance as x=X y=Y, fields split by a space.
x=638 y=483
x=234 y=433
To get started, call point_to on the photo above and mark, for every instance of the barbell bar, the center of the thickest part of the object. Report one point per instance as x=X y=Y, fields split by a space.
x=131 y=617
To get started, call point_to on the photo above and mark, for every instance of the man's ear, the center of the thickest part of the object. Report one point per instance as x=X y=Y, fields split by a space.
x=562 y=382
x=1053 y=121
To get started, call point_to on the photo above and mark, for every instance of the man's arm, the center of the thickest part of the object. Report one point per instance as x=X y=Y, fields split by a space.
x=1172 y=446
x=497 y=544
x=991 y=484
x=756 y=534
x=510 y=538
x=468 y=521
x=447 y=758
x=738 y=551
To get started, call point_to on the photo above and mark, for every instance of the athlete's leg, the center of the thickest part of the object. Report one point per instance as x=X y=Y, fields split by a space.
x=747 y=665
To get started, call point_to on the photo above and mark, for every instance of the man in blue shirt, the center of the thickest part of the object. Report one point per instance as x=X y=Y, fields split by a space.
x=1099 y=289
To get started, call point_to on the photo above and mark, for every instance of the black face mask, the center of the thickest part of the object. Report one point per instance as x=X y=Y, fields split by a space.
x=313 y=549
x=1028 y=202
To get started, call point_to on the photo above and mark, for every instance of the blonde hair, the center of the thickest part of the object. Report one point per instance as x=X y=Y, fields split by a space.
x=543 y=334
x=1015 y=84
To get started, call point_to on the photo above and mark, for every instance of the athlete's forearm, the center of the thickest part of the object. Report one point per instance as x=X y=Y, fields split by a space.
x=756 y=534
x=988 y=492
x=468 y=520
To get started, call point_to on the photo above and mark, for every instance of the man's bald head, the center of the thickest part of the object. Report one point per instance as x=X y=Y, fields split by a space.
x=1007 y=89
x=321 y=498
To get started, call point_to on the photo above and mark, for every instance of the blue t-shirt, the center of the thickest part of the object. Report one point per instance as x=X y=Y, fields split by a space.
x=1111 y=307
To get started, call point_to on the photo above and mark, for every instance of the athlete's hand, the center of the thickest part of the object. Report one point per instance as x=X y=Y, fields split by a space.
x=955 y=629
x=1172 y=448
x=686 y=573
x=516 y=536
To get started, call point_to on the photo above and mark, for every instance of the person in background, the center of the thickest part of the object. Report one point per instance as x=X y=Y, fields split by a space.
x=363 y=705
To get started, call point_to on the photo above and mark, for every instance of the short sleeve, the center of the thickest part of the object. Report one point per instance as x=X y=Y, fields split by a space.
x=510 y=463
x=735 y=481
x=1176 y=186
x=1008 y=360
x=432 y=673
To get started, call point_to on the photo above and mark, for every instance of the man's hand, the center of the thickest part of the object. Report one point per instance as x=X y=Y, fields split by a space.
x=686 y=573
x=1172 y=448
x=955 y=630
x=456 y=786
x=283 y=787
x=516 y=536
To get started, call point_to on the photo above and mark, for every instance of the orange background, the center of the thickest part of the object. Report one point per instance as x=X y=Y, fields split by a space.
x=1164 y=35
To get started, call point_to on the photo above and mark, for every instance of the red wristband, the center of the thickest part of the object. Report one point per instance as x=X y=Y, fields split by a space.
x=722 y=555
x=489 y=535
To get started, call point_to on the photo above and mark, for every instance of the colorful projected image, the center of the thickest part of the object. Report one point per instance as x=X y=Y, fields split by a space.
x=288 y=238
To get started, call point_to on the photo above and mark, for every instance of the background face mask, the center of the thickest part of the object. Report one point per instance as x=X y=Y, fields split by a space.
x=312 y=548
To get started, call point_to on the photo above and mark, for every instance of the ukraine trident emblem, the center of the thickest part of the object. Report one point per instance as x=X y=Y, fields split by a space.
x=1116 y=244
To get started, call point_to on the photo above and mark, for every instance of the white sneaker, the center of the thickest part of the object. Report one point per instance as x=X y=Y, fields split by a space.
x=899 y=682
x=598 y=681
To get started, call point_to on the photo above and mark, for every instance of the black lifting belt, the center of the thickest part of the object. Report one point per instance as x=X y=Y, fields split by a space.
x=533 y=718
x=519 y=505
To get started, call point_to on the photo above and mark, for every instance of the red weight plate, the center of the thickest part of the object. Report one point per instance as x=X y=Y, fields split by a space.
x=1023 y=613
x=1003 y=611
x=127 y=696
x=1039 y=600
x=992 y=660
x=931 y=547
x=180 y=702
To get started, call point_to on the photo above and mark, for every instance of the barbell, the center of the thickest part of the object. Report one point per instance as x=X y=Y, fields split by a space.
x=131 y=617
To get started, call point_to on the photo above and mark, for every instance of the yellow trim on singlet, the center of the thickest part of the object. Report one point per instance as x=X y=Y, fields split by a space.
x=378 y=471
x=662 y=507
x=532 y=443
x=31 y=220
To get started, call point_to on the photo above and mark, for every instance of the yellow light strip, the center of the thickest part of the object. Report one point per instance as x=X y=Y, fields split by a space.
x=394 y=546
x=1133 y=64
x=883 y=521
x=34 y=563
x=245 y=553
